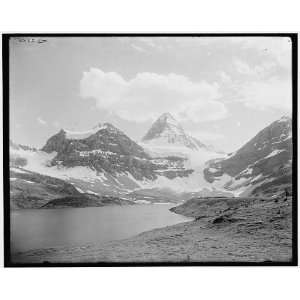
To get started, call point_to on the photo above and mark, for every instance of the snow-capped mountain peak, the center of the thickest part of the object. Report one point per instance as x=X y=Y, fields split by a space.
x=76 y=135
x=166 y=127
x=166 y=131
x=169 y=119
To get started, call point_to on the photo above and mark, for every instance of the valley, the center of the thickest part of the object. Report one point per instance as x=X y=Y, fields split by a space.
x=233 y=207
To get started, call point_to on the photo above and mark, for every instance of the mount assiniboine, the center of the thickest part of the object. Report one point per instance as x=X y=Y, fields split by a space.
x=103 y=165
x=167 y=134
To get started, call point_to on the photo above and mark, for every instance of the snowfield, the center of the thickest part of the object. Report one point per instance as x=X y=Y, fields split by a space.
x=86 y=179
x=77 y=135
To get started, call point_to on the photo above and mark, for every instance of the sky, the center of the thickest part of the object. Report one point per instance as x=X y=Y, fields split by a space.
x=223 y=90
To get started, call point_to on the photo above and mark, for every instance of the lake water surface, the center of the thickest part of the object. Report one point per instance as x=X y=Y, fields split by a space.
x=43 y=228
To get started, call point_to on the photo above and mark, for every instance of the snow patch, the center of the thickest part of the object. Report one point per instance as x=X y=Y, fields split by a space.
x=79 y=190
x=28 y=181
x=17 y=170
x=142 y=201
x=101 y=177
x=247 y=171
x=91 y=192
x=213 y=170
x=236 y=183
x=256 y=177
x=94 y=152
x=275 y=152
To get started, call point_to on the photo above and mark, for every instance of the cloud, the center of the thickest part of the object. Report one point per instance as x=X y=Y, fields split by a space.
x=244 y=68
x=41 y=121
x=56 y=124
x=273 y=94
x=274 y=49
x=277 y=49
x=138 y=48
x=224 y=77
x=260 y=86
x=256 y=71
x=148 y=44
x=154 y=43
x=148 y=95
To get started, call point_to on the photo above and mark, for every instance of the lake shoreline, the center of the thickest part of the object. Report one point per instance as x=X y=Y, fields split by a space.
x=251 y=230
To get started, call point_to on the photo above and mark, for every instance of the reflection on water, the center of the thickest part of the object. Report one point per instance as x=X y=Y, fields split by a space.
x=42 y=228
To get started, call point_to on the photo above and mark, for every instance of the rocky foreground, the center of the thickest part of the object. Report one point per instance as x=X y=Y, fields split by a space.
x=224 y=230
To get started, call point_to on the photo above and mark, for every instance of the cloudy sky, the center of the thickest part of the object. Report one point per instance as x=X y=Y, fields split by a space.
x=223 y=90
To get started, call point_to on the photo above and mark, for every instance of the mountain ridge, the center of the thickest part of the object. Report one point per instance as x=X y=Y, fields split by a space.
x=106 y=162
x=264 y=158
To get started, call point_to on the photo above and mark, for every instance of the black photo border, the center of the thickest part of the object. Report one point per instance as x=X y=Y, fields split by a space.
x=6 y=182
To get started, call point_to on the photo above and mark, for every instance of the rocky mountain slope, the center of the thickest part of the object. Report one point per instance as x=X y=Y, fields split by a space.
x=33 y=190
x=108 y=151
x=263 y=165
